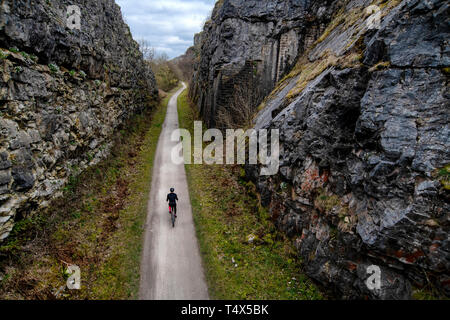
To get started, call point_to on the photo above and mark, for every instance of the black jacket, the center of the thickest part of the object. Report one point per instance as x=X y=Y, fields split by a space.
x=172 y=198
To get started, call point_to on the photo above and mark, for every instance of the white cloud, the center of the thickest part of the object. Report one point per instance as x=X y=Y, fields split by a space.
x=169 y=25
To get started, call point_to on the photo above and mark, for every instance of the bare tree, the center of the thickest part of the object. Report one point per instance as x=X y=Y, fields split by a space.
x=161 y=58
x=147 y=50
x=165 y=72
x=242 y=107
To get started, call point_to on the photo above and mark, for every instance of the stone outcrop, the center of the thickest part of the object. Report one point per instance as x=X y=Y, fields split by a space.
x=63 y=93
x=364 y=129
x=246 y=39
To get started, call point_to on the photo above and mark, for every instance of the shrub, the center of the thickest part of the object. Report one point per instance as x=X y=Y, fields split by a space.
x=53 y=68
x=242 y=107
x=25 y=55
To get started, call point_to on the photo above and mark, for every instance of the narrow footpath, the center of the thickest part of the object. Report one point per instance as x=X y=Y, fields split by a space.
x=171 y=267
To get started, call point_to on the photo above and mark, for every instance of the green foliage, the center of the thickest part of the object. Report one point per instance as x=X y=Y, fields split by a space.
x=73 y=182
x=444 y=172
x=21 y=233
x=444 y=177
x=380 y=66
x=429 y=292
x=53 y=68
x=72 y=73
x=25 y=55
x=18 y=69
x=165 y=74
x=14 y=49
x=82 y=74
x=326 y=202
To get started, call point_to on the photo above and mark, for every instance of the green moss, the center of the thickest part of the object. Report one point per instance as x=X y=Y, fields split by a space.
x=445 y=171
x=327 y=202
x=53 y=68
x=380 y=66
x=443 y=174
x=34 y=58
x=3 y=55
x=25 y=55
x=18 y=69
x=429 y=292
x=309 y=71
x=338 y=20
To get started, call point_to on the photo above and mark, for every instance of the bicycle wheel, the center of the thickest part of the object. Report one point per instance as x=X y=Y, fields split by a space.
x=173 y=220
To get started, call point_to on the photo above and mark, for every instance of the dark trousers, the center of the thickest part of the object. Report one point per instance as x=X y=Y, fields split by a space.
x=174 y=207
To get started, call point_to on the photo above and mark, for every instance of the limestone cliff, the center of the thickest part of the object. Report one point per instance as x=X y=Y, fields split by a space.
x=252 y=39
x=63 y=92
x=362 y=104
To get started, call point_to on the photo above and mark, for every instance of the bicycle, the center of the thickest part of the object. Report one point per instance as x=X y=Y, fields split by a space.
x=172 y=216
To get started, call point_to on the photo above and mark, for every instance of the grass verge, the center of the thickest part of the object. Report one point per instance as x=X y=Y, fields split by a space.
x=97 y=225
x=244 y=256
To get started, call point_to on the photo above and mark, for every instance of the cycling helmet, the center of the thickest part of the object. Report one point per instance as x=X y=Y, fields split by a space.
x=172 y=189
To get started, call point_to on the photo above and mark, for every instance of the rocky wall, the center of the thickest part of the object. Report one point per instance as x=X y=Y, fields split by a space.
x=362 y=106
x=364 y=177
x=269 y=35
x=63 y=93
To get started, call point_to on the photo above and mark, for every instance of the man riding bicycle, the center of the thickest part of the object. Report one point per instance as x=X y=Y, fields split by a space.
x=172 y=198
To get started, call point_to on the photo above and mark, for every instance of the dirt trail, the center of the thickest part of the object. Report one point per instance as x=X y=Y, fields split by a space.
x=171 y=267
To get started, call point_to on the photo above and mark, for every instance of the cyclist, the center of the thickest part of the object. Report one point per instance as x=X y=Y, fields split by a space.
x=172 y=198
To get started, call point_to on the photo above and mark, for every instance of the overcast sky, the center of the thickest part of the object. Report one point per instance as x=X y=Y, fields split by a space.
x=169 y=25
